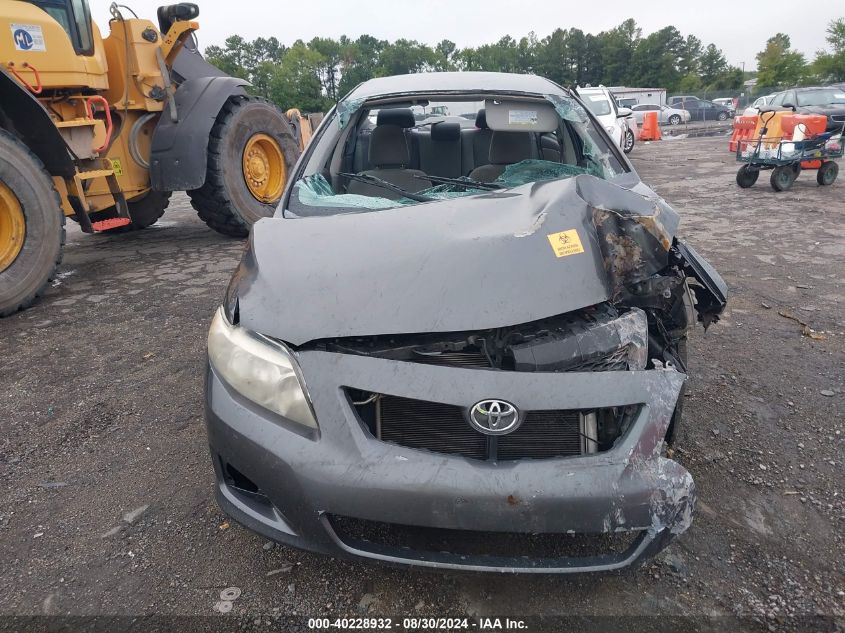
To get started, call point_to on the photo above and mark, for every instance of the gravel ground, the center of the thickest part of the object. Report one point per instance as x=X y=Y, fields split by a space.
x=105 y=482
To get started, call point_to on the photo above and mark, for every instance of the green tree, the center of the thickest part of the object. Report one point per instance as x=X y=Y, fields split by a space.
x=296 y=81
x=712 y=64
x=830 y=67
x=778 y=64
x=655 y=60
x=331 y=53
x=618 y=46
x=360 y=61
x=405 y=56
x=689 y=55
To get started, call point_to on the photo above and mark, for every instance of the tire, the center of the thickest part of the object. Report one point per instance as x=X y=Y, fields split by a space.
x=782 y=178
x=722 y=116
x=628 y=142
x=747 y=176
x=678 y=414
x=144 y=211
x=827 y=173
x=30 y=202
x=225 y=202
x=674 y=120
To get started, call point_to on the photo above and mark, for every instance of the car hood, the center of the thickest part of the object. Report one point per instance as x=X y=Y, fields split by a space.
x=485 y=261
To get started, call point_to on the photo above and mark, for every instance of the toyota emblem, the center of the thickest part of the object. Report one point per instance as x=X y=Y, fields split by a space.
x=494 y=417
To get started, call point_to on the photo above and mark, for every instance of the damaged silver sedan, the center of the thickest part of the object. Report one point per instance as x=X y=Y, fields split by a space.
x=461 y=341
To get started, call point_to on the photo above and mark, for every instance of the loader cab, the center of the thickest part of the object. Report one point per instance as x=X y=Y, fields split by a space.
x=75 y=18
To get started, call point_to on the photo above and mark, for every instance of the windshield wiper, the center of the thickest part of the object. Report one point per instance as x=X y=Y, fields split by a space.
x=378 y=182
x=465 y=181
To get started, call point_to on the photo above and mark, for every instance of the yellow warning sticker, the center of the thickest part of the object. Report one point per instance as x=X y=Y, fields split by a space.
x=117 y=168
x=565 y=243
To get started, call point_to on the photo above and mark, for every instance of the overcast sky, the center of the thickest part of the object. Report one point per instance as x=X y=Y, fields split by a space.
x=740 y=29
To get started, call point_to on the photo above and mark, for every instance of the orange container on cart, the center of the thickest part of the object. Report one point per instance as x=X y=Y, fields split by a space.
x=774 y=128
x=814 y=124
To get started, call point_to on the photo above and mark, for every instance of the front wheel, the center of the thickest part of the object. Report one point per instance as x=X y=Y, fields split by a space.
x=782 y=178
x=827 y=173
x=675 y=119
x=628 y=142
x=251 y=151
x=747 y=176
x=32 y=229
x=678 y=413
x=723 y=116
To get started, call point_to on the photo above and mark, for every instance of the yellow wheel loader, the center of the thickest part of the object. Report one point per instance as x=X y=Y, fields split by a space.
x=103 y=130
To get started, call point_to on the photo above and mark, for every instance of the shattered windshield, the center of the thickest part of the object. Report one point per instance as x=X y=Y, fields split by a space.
x=419 y=150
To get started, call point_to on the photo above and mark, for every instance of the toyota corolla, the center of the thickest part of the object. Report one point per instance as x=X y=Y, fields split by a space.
x=461 y=340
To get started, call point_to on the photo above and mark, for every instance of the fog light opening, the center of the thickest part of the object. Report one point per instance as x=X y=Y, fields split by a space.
x=236 y=479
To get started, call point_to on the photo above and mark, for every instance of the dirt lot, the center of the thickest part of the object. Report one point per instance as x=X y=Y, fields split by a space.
x=105 y=481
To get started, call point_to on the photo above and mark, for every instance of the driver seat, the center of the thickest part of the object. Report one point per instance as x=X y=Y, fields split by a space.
x=390 y=157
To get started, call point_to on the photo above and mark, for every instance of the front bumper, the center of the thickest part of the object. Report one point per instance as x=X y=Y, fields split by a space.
x=304 y=479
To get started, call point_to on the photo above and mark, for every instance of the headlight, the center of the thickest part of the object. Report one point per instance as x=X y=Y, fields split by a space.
x=259 y=369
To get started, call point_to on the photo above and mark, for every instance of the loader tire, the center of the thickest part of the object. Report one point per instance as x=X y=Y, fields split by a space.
x=251 y=151
x=32 y=226
x=144 y=211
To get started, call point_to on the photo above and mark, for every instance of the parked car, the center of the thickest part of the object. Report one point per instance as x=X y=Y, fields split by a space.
x=627 y=102
x=727 y=102
x=829 y=101
x=675 y=99
x=759 y=102
x=701 y=110
x=449 y=341
x=665 y=114
x=602 y=104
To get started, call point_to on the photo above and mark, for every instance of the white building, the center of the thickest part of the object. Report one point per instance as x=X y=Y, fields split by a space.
x=656 y=96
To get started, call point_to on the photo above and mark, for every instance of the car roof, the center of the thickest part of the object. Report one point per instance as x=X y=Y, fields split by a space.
x=454 y=82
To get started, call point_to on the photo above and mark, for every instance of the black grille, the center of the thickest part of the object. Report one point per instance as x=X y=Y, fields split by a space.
x=472 y=543
x=443 y=428
x=431 y=426
x=543 y=434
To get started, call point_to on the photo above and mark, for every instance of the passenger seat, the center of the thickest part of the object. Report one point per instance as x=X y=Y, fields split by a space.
x=477 y=143
x=440 y=150
x=506 y=148
x=389 y=155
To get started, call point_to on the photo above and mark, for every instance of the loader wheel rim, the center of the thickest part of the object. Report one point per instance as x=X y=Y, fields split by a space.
x=12 y=227
x=264 y=168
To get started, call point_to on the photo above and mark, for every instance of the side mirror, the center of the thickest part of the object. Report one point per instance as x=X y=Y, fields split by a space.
x=624 y=113
x=790 y=106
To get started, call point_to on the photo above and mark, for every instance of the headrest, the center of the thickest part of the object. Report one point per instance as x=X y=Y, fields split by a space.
x=509 y=147
x=481 y=119
x=446 y=131
x=388 y=147
x=403 y=117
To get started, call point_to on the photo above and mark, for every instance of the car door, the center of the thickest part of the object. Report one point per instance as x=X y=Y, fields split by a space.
x=692 y=106
x=789 y=97
x=777 y=100
x=639 y=112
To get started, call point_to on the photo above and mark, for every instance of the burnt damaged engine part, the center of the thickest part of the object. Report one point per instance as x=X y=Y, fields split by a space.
x=443 y=428
x=600 y=338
